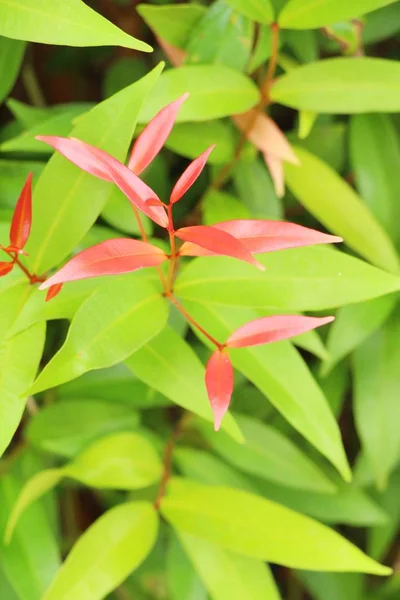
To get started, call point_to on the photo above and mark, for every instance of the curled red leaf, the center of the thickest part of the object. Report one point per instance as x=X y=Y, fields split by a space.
x=5 y=268
x=53 y=291
x=219 y=242
x=189 y=176
x=272 y=329
x=112 y=257
x=22 y=218
x=219 y=384
x=154 y=136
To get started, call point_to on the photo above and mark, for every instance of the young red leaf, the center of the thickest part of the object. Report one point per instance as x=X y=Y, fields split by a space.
x=272 y=329
x=5 y=268
x=53 y=291
x=266 y=236
x=189 y=176
x=275 y=167
x=219 y=384
x=22 y=218
x=112 y=257
x=104 y=166
x=219 y=242
x=154 y=136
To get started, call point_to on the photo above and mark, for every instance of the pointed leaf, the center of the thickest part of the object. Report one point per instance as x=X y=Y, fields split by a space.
x=220 y=242
x=112 y=257
x=261 y=11
x=154 y=136
x=189 y=176
x=106 y=553
x=22 y=218
x=219 y=383
x=275 y=168
x=5 y=268
x=53 y=291
x=172 y=22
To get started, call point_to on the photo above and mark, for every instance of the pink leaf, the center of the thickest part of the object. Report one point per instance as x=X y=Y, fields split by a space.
x=5 y=268
x=154 y=136
x=272 y=329
x=53 y=291
x=121 y=255
x=22 y=218
x=104 y=166
x=219 y=384
x=189 y=176
x=219 y=242
x=275 y=167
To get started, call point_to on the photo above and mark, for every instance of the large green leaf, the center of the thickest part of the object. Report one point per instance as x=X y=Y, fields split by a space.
x=106 y=553
x=333 y=202
x=261 y=11
x=59 y=222
x=70 y=23
x=311 y=14
x=215 y=91
x=11 y=55
x=381 y=536
x=297 y=279
x=173 y=23
x=122 y=315
x=13 y=177
x=333 y=586
x=375 y=157
x=268 y=454
x=297 y=397
x=183 y=583
x=265 y=530
x=191 y=139
x=376 y=405
x=341 y=85
x=169 y=365
x=229 y=576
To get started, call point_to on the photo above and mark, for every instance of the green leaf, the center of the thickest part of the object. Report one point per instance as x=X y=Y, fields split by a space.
x=311 y=14
x=29 y=116
x=375 y=157
x=341 y=86
x=173 y=23
x=11 y=56
x=106 y=553
x=333 y=586
x=265 y=530
x=229 y=576
x=381 y=536
x=376 y=405
x=70 y=23
x=333 y=202
x=381 y=24
x=66 y=428
x=119 y=214
x=59 y=226
x=169 y=365
x=117 y=319
x=220 y=206
x=297 y=397
x=183 y=583
x=353 y=325
x=256 y=190
x=267 y=453
x=191 y=139
x=215 y=91
x=13 y=177
x=261 y=11
x=298 y=279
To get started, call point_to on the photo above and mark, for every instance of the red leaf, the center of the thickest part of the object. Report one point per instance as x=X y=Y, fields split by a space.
x=22 y=218
x=275 y=167
x=121 y=255
x=153 y=137
x=266 y=236
x=53 y=291
x=189 y=176
x=219 y=242
x=104 y=166
x=5 y=268
x=219 y=384
x=272 y=329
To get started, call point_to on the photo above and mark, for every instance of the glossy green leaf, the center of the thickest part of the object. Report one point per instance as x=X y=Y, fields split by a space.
x=381 y=536
x=173 y=23
x=333 y=586
x=296 y=279
x=59 y=226
x=341 y=86
x=191 y=139
x=229 y=576
x=66 y=428
x=169 y=365
x=375 y=157
x=11 y=56
x=267 y=453
x=381 y=24
x=297 y=397
x=333 y=202
x=265 y=530
x=311 y=14
x=121 y=316
x=353 y=324
x=215 y=91
x=261 y=11
x=183 y=583
x=106 y=553
x=376 y=405
x=70 y=23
